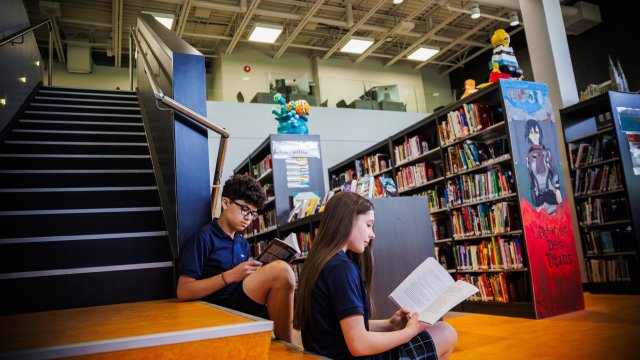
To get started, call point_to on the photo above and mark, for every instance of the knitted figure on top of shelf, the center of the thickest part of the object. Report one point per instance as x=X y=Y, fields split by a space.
x=291 y=116
x=503 y=63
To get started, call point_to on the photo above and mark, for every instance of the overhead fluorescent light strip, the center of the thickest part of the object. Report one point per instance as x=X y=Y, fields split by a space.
x=357 y=45
x=265 y=33
x=423 y=53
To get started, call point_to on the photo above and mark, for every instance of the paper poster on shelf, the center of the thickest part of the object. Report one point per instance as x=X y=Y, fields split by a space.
x=630 y=126
x=297 y=172
x=546 y=216
x=295 y=149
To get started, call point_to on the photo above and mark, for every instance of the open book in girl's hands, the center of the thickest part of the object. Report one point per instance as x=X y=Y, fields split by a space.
x=430 y=291
x=285 y=250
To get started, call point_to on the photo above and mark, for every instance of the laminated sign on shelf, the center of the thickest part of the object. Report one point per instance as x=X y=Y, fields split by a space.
x=295 y=149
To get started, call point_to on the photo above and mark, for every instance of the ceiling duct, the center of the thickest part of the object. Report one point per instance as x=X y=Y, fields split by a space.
x=404 y=27
x=584 y=17
x=79 y=54
x=50 y=8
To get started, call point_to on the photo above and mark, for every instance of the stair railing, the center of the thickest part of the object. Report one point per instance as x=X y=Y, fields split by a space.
x=12 y=37
x=177 y=106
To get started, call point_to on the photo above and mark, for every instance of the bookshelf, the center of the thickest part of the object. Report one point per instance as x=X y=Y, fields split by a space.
x=488 y=229
x=599 y=133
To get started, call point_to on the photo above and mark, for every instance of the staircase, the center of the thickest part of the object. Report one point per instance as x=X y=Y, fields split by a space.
x=80 y=217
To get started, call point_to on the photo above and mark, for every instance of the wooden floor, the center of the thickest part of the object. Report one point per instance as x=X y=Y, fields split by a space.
x=609 y=328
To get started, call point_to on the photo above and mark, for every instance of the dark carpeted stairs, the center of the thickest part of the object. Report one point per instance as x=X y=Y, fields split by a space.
x=80 y=217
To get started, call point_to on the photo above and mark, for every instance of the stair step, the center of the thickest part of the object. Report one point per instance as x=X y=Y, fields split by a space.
x=77 y=198
x=74 y=147
x=82 y=116
x=79 y=222
x=78 y=125
x=69 y=90
x=76 y=135
x=73 y=161
x=99 y=109
x=62 y=178
x=98 y=286
x=84 y=101
x=66 y=252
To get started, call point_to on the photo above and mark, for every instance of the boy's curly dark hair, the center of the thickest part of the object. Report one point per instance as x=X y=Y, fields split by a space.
x=243 y=187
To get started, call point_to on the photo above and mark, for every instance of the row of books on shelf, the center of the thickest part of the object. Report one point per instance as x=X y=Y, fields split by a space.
x=309 y=206
x=600 y=210
x=596 y=180
x=469 y=154
x=372 y=164
x=441 y=228
x=437 y=197
x=493 y=287
x=601 y=270
x=465 y=121
x=338 y=180
x=415 y=175
x=482 y=219
x=262 y=167
x=372 y=186
x=612 y=240
x=477 y=187
x=264 y=221
x=497 y=254
x=603 y=147
x=412 y=147
x=297 y=270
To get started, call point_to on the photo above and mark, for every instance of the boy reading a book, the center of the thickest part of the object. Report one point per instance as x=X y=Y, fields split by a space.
x=334 y=307
x=215 y=266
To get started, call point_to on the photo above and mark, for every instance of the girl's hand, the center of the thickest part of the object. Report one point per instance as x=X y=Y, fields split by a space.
x=399 y=319
x=241 y=271
x=415 y=326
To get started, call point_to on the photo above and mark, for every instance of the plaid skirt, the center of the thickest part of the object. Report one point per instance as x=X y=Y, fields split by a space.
x=421 y=347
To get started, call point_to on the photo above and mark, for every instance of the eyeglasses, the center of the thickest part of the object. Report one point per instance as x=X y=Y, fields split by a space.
x=245 y=211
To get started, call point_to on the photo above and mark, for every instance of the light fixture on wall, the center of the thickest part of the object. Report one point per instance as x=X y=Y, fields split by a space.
x=3 y=102
x=475 y=10
x=357 y=45
x=22 y=79
x=37 y=62
x=513 y=16
x=423 y=53
x=265 y=33
x=164 y=19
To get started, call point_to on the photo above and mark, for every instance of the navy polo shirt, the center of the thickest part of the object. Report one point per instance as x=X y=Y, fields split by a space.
x=340 y=292
x=210 y=252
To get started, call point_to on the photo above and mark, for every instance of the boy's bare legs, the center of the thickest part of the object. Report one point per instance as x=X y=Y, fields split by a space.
x=444 y=337
x=273 y=285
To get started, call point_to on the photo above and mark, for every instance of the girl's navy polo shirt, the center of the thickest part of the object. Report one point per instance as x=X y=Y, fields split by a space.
x=210 y=252
x=339 y=292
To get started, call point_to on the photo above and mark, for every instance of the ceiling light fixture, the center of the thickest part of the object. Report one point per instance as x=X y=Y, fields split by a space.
x=357 y=45
x=423 y=53
x=265 y=33
x=397 y=2
x=164 y=19
x=513 y=16
x=475 y=10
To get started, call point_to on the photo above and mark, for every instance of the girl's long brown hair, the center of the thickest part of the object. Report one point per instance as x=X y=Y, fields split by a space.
x=337 y=221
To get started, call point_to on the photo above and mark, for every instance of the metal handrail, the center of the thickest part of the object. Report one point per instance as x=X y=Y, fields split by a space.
x=10 y=38
x=194 y=116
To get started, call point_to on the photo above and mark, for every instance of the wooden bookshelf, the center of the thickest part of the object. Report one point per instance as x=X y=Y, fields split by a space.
x=600 y=125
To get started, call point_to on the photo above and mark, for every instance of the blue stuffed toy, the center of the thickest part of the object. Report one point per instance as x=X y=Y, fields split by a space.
x=291 y=116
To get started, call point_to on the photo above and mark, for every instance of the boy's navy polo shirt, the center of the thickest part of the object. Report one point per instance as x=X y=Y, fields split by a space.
x=339 y=292
x=210 y=252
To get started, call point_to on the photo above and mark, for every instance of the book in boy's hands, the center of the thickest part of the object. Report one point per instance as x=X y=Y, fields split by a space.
x=430 y=291
x=285 y=250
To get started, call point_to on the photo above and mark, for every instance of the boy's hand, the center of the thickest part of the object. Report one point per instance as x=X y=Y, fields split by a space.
x=243 y=270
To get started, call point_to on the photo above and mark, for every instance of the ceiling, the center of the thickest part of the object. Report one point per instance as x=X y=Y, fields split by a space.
x=314 y=27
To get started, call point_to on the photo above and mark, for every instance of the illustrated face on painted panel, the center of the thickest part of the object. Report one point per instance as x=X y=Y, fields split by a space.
x=534 y=135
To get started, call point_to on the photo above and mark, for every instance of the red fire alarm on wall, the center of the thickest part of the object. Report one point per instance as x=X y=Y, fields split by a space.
x=246 y=68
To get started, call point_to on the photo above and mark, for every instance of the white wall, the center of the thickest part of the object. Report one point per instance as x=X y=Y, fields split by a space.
x=343 y=132
x=102 y=77
x=434 y=83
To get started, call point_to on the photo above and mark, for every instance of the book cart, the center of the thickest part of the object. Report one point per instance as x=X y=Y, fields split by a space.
x=472 y=167
x=602 y=136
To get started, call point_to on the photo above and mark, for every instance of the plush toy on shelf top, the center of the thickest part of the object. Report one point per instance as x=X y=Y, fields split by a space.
x=503 y=63
x=291 y=116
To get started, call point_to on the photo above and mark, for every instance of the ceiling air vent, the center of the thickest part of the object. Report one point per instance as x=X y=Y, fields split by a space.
x=580 y=17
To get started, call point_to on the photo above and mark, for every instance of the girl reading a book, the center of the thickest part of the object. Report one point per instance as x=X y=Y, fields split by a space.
x=333 y=308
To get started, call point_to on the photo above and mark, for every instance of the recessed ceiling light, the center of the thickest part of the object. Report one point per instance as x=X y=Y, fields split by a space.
x=357 y=45
x=266 y=33
x=164 y=19
x=423 y=53
x=397 y=1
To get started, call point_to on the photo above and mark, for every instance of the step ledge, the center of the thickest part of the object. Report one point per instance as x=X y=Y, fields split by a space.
x=85 y=106
x=79 y=143
x=26 y=121
x=79 y=189
x=79 y=211
x=41 y=239
x=38 y=131
x=85 y=270
x=130 y=95
x=79 y=114
x=74 y=156
x=86 y=100
x=79 y=171
x=134 y=342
